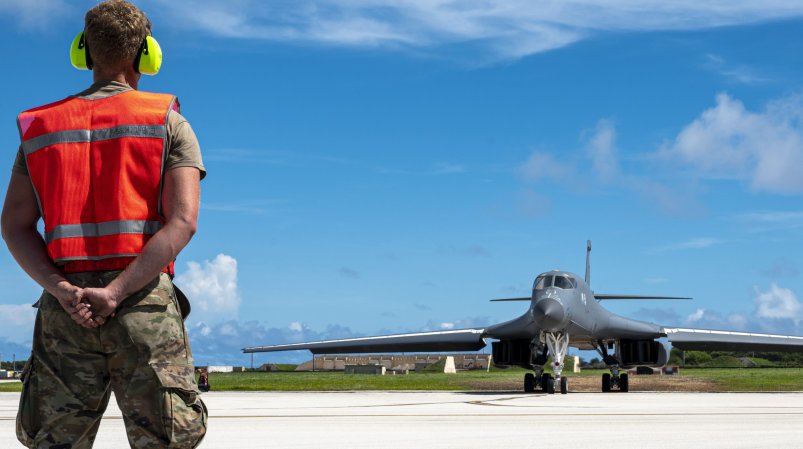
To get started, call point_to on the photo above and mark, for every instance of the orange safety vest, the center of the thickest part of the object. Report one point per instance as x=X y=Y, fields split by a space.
x=96 y=167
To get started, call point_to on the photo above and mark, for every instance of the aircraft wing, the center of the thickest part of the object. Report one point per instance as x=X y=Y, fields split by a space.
x=711 y=340
x=440 y=341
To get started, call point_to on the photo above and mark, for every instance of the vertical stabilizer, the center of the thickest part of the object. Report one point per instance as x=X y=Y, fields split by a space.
x=588 y=263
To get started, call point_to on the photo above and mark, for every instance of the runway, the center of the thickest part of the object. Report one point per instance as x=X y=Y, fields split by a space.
x=479 y=420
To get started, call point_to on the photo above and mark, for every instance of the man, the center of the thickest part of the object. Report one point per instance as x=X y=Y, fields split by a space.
x=114 y=173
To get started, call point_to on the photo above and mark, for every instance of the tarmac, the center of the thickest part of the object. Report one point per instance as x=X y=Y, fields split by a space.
x=479 y=420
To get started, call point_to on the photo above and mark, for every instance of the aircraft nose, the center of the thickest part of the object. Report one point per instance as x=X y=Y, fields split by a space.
x=548 y=314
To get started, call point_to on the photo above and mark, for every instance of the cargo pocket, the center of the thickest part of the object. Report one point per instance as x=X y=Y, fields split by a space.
x=154 y=325
x=27 y=421
x=184 y=414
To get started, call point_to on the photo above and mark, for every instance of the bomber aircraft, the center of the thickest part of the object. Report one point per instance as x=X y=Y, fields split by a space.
x=563 y=312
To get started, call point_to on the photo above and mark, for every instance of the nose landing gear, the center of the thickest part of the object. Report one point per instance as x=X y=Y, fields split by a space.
x=557 y=343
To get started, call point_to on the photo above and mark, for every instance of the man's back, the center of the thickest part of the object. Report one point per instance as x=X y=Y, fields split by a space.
x=114 y=174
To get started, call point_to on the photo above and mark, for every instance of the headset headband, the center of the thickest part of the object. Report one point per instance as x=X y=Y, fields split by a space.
x=148 y=60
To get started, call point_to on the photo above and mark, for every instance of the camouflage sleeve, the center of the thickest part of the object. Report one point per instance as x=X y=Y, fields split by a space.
x=20 y=164
x=183 y=148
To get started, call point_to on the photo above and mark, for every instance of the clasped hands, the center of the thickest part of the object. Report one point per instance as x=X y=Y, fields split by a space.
x=88 y=307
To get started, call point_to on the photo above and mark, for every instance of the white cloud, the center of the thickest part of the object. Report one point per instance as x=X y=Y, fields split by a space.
x=543 y=165
x=33 y=13
x=496 y=29
x=602 y=156
x=228 y=330
x=464 y=323
x=601 y=149
x=738 y=321
x=691 y=244
x=794 y=218
x=777 y=310
x=696 y=316
x=221 y=343
x=699 y=243
x=211 y=289
x=764 y=149
x=16 y=322
x=503 y=28
x=762 y=222
x=738 y=73
x=712 y=319
x=296 y=326
x=204 y=329
x=778 y=303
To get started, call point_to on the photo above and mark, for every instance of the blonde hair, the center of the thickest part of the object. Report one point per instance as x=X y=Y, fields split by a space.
x=114 y=31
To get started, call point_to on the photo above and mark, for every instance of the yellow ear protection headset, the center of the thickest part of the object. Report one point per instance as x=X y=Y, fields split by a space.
x=148 y=60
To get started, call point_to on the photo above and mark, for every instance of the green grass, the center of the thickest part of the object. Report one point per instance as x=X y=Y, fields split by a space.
x=337 y=381
x=724 y=362
x=724 y=379
x=13 y=387
x=750 y=379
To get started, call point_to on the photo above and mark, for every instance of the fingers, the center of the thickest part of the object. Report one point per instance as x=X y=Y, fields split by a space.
x=78 y=296
x=82 y=315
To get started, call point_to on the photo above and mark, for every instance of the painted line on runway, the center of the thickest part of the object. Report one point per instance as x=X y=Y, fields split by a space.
x=490 y=415
x=403 y=404
x=473 y=415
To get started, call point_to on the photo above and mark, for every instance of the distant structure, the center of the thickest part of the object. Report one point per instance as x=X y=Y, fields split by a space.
x=221 y=369
x=412 y=362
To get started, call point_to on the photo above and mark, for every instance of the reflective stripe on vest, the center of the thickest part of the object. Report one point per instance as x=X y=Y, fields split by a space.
x=96 y=167
x=101 y=229
x=97 y=135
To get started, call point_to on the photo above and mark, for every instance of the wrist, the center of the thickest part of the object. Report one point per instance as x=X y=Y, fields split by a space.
x=116 y=293
x=64 y=290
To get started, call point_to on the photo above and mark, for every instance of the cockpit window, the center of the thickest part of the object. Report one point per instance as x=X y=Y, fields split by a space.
x=542 y=282
x=564 y=282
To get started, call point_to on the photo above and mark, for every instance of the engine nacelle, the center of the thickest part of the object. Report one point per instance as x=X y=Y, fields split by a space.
x=641 y=353
x=511 y=353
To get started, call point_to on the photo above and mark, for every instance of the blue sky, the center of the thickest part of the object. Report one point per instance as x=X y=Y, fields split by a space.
x=380 y=166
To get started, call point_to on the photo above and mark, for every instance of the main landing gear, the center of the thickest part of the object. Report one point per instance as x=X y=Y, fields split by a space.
x=614 y=379
x=610 y=381
x=557 y=343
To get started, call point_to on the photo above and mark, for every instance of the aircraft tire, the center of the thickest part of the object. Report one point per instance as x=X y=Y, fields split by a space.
x=624 y=386
x=564 y=385
x=529 y=383
x=606 y=383
x=544 y=378
x=550 y=385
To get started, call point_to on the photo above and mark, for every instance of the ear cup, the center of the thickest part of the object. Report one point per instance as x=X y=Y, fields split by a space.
x=79 y=53
x=149 y=58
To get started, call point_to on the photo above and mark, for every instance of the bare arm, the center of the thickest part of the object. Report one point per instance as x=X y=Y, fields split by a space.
x=181 y=201
x=19 y=219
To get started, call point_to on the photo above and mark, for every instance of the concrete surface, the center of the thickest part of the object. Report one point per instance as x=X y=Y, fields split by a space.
x=480 y=420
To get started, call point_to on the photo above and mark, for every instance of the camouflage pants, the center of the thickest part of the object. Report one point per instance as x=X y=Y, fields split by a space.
x=142 y=354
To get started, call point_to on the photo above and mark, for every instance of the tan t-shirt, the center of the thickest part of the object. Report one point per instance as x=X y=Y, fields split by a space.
x=182 y=145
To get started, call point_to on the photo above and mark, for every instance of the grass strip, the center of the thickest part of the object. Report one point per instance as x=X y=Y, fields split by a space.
x=710 y=379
